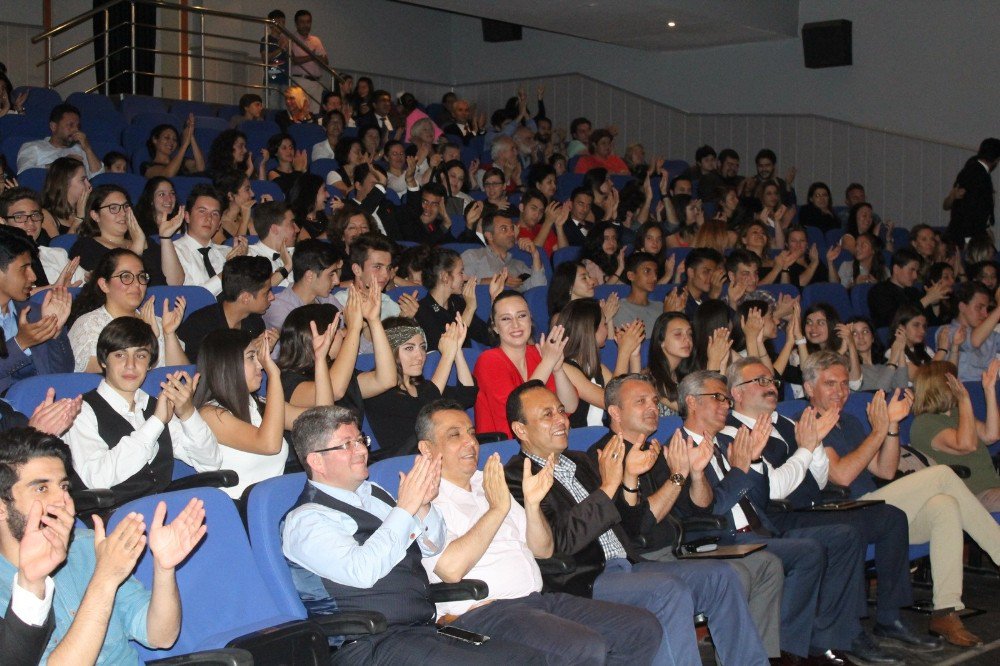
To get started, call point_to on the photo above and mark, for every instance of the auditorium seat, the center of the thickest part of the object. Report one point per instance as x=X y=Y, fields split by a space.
x=33 y=179
x=434 y=357
x=859 y=299
x=306 y=136
x=94 y=106
x=27 y=393
x=182 y=108
x=322 y=167
x=831 y=294
x=564 y=254
x=262 y=187
x=40 y=101
x=132 y=105
x=537 y=298
x=131 y=183
x=581 y=439
x=10 y=144
x=196 y=297
x=258 y=132
x=156 y=376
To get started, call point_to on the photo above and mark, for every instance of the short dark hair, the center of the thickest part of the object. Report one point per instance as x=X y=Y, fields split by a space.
x=699 y=255
x=113 y=156
x=13 y=243
x=728 y=153
x=703 y=152
x=250 y=98
x=581 y=190
x=313 y=255
x=425 y=417
x=203 y=190
x=765 y=154
x=124 y=332
x=515 y=402
x=302 y=12
x=574 y=125
x=364 y=244
x=904 y=256
x=12 y=195
x=964 y=291
x=534 y=194
x=268 y=215
x=853 y=186
x=636 y=259
x=244 y=275
x=229 y=182
x=437 y=189
x=740 y=256
x=989 y=149
x=490 y=216
x=275 y=14
x=60 y=110
x=18 y=446
x=381 y=93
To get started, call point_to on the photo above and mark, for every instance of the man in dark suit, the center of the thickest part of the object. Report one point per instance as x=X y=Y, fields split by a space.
x=577 y=227
x=593 y=517
x=798 y=468
x=824 y=566
x=369 y=193
x=380 y=116
x=462 y=126
x=975 y=211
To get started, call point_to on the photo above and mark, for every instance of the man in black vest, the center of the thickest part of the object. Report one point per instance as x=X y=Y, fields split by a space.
x=366 y=549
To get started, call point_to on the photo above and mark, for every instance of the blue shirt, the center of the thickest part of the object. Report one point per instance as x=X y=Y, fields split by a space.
x=844 y=438
x=973 y=361
x=8 y=322
x=321 y=540
x=128 y=619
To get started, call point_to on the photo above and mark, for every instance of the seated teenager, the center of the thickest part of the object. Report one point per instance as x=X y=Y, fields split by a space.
x=168 y=155
x=21 y=208
x=109 y=224
x=393 y=414
x=125 y=440
x=30 y=345
x=604 y=254
x=884 y=297
x=515 y=360
x=234 y=187
x=201 y=258
x=315 y=269
x=99 y=607
x=371 y=261
x=802 y=266
x=450 y=293
x=117 y=288
x=290 y=162
x=671 y=357
x=275 y=222
x=867 y=267
x=587 y=332
x=64 y=197
x=640 y=273
x=947 y=431
x=157 y=211
x=880 y=370
x=246 y=295
x=250 y=436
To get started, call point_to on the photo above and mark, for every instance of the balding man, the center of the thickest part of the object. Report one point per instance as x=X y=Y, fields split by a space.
x=461 y=111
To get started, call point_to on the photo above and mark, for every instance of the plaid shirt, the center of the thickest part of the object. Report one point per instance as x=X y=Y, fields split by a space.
x=565 y=474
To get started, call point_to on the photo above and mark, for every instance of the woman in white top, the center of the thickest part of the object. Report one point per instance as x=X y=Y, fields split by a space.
x=231 y=364
x=117 y=288
x=138 y=459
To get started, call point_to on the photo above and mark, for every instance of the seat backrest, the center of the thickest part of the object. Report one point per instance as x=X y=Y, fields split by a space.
x=507 y=449
x=196 y=297
x=434 y=357
x=859 y=299
x=26 y=394
x=857 y=406
x=41 y=101
x=581 y=439
x=64 y=241
x=566 y=183
x=132 y=183
x=564 y=254
x=267 y=187
x=216 y=608
x=792 y=408
x=33 y=179
x=135 y=104
x=833 y=294
x=306 y=135
x=386 y=472
x=322 y=167
x=157 y=375
x=537 y=298
x=183 y=107
x=10 y=146
x=666 y=427
x=267 y=504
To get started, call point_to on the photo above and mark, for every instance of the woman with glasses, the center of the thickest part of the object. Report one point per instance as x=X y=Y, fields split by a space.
x=494 y=185
x=22 y=208
x=879 y=370
x=586 y=334
x=670 y=357
x=515 y=360
x=123 y=438
x=393 y=414
x=110 y=224
x=64 y=198
x=117 y=288
x=250 y=431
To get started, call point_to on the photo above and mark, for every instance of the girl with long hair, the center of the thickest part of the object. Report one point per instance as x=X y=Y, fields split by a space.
x=880 y=371
x=671 y=347
x=64 y=198
x=290 y=161
x=167 y=153
x=450 y=294
x=227 y=152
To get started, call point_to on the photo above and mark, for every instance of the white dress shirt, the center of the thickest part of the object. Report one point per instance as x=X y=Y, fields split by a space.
x=259 y=249
x=508 y=565
x=785 y=479
x=30 y=608
x=321 y=539
x=322 y=151
x=54 y=260
x=41 y=153
x=103 y=467
x=194 y=267
x=739 y=517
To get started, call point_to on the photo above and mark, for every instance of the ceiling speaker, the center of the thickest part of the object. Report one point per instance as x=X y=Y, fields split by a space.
x=827 y=44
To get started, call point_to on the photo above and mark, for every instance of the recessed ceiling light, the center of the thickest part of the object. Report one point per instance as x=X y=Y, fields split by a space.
x=671 y=24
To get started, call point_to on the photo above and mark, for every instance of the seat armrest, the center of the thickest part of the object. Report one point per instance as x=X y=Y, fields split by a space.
x=557 y=565
x=223 y=657
x=490 y=437
x=92 y=500
x=219 y=478
x=834 y=493
x=703 y=523
x=464 y=590
x=351 y=623
x=961 y=471
x=779 y=505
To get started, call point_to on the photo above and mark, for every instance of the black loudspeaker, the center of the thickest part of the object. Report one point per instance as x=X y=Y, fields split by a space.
x=500 y=31
x=827 y=44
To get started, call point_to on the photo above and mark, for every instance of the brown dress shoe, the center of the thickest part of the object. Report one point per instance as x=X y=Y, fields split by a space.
x=950 y=628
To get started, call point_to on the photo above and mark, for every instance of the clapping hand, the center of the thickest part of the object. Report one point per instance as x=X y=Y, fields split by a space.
x=54 y=417
x=990 y=376
x=172 y=317
x=535 y=487
x=551 y=347
x=171 y=544
x=495 y=485
x=638 y=461
x=45 y=542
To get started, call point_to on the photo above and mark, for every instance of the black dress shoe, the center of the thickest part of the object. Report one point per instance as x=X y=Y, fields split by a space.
x=900 y=633
x=829 y=658
x=866 y=649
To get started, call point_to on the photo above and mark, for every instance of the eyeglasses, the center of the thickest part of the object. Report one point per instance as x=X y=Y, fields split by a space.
x=362 y=442
x=495 y=183
x=21 y=218
x=718 y=397
x=763 y=382
x=128 y=277
x=116 y=208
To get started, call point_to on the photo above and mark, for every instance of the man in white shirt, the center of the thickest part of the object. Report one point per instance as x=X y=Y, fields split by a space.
x=275 y=222
x=202 y=259
x=67 y=140
x=316 y=270
x=334 y=128
x=491 y=537
x=306 y=72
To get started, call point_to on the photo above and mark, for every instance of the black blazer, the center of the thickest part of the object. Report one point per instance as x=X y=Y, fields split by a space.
x=20 y=643
x=975 y=211
x=576 y=527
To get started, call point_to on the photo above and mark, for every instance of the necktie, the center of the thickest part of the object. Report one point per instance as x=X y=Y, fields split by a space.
x=753 y=518
x=275 y=256
x=205 y=260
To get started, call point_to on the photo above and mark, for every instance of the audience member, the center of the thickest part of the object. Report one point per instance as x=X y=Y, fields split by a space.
x=290 y=162
x=157 y=212
x=21 y=208
x=66 y=140
x=885 y=297
x=974 y=211
x=450 y=294
x=202 y=259
x=315 y=267
x=485 y=263
x=640 y=273
x=275 y=222
x=228 y=152
x=168 y=156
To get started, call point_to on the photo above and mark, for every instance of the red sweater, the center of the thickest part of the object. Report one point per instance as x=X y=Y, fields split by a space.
x=496 y=375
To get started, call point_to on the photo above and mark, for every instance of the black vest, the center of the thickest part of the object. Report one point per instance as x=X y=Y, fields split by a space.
x=778 y=452
x=155 y=476
x=400 y=595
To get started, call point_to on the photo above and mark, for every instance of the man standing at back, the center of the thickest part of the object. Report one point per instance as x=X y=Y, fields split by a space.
x=975 y=211
x=306 y=72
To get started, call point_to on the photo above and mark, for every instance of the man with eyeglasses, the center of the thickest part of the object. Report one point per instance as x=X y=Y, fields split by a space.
x=676 y=485
x=203 y=260
x=352 y=547
x=824 y=573
x=798 y=469
x=22 y=208
x=30 y=345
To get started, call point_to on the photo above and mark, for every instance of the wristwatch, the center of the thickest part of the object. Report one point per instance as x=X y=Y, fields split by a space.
x=677 y=479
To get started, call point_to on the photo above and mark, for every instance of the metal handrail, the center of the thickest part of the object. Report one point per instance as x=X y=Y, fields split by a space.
x=201 y=13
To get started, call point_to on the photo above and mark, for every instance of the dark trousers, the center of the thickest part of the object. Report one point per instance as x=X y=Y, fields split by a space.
x=570 y=630
x=673 y=592
x=883 y=526
x=120 y=48
x=421 y=645
x=824 y=585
